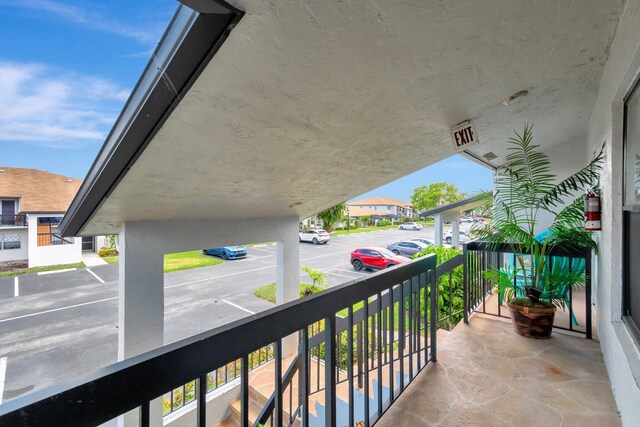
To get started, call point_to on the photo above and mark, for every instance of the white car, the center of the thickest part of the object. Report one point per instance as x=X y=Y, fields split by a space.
x=462 y=237
x=467 y=219
x=410 y=226
x=314 y=236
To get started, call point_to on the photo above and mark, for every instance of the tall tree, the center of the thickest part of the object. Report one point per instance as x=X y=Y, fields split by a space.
x=332 y=215
x=434 y=195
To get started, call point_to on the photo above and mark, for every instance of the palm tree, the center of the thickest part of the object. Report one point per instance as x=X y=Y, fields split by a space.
x=525 y=188
x=332 y=215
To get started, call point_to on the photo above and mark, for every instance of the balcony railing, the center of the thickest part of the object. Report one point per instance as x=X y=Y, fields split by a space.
x=371 y=336
x=479 y=294
x=53 y=239
x=17 y=220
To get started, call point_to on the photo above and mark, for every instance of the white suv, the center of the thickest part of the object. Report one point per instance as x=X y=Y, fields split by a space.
x=314 y=236
x=410 y=226
x=462 y=237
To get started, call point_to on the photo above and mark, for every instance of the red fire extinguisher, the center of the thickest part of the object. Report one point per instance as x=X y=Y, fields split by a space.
x=592 y=215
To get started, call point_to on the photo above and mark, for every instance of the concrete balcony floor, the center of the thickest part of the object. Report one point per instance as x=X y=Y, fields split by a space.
x=487 y=375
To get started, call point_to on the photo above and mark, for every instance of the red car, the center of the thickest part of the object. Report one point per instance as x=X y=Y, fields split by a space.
x=375 y=258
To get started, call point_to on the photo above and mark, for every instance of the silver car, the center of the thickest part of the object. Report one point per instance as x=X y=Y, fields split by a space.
x=406 y=247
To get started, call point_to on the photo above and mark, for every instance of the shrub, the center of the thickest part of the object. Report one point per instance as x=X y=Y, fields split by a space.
x=356 y=224
x=103 y=252
x=450 y=295
x=383 y=222
x=406 y=219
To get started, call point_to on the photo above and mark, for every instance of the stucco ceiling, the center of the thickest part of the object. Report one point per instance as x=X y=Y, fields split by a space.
x=311 y=103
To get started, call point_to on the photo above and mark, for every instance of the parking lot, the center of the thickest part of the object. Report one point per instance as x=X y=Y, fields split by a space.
x=55 y=326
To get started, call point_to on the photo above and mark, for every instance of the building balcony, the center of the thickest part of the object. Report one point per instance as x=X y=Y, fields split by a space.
x=487 y=375
x=17 y=220
x=367 y=352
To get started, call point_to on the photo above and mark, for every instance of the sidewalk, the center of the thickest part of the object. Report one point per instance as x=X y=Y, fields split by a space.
x=92 y=259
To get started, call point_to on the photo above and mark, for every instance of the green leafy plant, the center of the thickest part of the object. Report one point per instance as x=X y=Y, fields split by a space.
x=450 y=289
x=525 y=188
x=318 y=278
x=104 y=252
x=332 y=215
x=383 y=223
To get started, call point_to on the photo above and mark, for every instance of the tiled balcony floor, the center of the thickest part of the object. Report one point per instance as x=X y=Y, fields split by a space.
x=487 y=375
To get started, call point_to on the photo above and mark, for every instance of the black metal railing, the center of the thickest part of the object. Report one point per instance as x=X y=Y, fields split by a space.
x=17 y=220
x=480 y=295
x=185 y=394
x=52 y=239
x=411 y=322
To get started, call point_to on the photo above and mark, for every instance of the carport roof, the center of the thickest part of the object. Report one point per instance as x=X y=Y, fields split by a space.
x=459 y=206
x=293 y=107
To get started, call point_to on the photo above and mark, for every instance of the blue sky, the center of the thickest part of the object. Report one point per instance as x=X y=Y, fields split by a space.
x=67 y=67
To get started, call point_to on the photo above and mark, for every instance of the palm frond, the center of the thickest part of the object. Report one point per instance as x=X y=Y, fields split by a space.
x=586 y=177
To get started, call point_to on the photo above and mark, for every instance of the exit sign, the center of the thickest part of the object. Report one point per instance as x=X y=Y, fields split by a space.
x=464 y=135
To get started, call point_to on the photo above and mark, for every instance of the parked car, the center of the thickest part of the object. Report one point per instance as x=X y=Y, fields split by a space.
x=423 y=240
x=406 y=247
x=410 y=226
x=315 y=236
x=462 y=237
x=227 y=252
x=375 y=258
x=468 y=219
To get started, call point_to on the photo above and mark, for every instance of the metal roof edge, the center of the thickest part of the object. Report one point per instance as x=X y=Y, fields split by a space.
x=191 y=40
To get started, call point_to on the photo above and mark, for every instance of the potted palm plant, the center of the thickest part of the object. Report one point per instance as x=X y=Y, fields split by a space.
x=534 y=284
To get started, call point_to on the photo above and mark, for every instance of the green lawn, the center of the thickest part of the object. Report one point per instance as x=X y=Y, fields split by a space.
x=372 y=228
x=268 y=292
x=180 y=260
x=20 y=271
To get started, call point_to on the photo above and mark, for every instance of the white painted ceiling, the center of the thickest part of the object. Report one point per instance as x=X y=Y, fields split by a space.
x=311 y=103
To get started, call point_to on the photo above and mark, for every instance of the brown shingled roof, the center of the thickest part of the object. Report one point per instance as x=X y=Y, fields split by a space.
x=39 y=191
x=381 y=201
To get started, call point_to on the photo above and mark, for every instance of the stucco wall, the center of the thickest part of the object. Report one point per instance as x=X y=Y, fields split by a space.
x=54 y=254
x=15 y=254
x=606 y=125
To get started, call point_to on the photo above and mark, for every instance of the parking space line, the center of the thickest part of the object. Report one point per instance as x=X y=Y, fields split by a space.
x=3 y=371
x=262 y=250
x=358 y=274
x=341 y=275
x=237 y=306
x=64 y=270
x=16 y=290
x=95 y=275
x=24 y=316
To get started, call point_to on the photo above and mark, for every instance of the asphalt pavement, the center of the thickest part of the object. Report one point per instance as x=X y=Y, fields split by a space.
x=58 y=326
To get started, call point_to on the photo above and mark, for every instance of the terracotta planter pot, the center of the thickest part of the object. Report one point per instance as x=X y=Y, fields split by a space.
x=532 y=322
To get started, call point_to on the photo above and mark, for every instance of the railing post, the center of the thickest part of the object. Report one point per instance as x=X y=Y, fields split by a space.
x=359 y=345
x=587 y=294
x=244 y=392
x=303 y=375
x=330 y=371
x=201 y=386
x=465 y=283
x=433 y=293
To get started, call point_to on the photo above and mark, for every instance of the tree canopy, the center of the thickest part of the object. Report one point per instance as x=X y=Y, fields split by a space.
x=436 y=194
x=332 y=215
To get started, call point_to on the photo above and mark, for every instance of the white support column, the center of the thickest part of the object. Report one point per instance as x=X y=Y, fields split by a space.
x=455 y=229
x=140 y=304
x=438 y=229
x=288 y=275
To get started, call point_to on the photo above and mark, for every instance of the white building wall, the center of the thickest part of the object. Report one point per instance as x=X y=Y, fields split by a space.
x=54 y=254
x=606 y=125
x=15 y=254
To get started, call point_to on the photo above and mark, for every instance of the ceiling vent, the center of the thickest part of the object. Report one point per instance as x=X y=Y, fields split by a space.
x=490 y=155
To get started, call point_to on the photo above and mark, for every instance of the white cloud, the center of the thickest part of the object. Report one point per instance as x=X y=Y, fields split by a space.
x=45 y=106
x=91 y=19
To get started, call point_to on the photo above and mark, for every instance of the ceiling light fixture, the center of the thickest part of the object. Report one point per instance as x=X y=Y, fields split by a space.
x=515 y=97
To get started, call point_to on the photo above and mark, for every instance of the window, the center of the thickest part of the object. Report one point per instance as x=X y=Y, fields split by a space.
x=9 y=241
x=631 y=214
